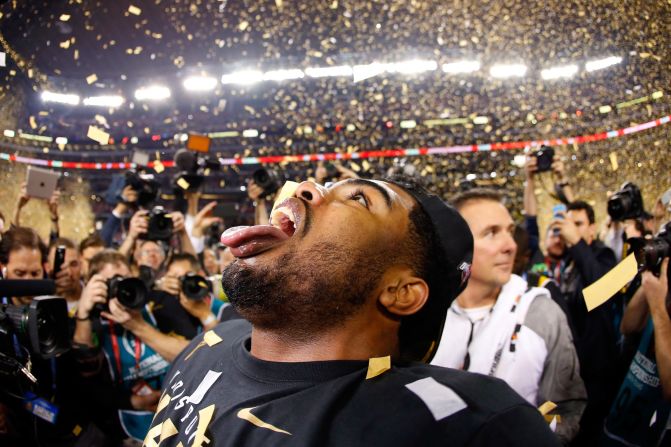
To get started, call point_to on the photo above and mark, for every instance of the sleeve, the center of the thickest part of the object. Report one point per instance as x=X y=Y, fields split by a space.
x=531 y=225
x=560 y=382
x=591 y=264
x=109 y=229
x=519 y=426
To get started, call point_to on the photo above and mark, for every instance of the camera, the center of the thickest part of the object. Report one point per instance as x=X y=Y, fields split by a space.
x=268 y=180
x=627 y=203
x=651 y=252
x=131 y=292
x=159 y=227
x=191 y=169
x=41 y=325
x=195 y=287
x=544 y=157
x=146 y=186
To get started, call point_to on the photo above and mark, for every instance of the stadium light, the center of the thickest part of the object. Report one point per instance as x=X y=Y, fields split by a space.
x=461 y=67
x=9 y=133
x=200 y=83
x=250 y=133
x=361 y=72
x=411 y=66
x=322 y=72
x=600 y=64
x=245 y=77
x=283 y=75
x=62 y=98
x=408 y=124
x=104 y=101
x=152 y=93
x=508 y=70
x=565 y=71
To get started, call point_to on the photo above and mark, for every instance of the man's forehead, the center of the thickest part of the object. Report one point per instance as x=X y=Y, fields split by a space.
x=396 y=193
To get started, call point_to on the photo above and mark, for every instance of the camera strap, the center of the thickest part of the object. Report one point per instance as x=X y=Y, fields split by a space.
x=117 y=351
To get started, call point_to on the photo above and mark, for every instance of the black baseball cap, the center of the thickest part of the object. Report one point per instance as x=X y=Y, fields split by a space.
x=420 y=333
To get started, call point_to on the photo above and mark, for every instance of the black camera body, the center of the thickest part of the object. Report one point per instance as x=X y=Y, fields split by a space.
x=41 y=326
x=268 y=180
x=651 y=252
x=192 y=168
x=627 y=203
x=544 y=157
x=195 y=287
x=146 y=186
x=132 y=293
x=159 y=227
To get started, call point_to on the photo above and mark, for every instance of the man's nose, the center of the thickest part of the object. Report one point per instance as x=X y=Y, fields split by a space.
x=311 y=192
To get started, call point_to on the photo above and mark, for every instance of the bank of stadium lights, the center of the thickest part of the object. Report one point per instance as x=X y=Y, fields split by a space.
x=461 y=67
x=324 y=72
x=283 y=75
x=61 y=98
x=200 y=83
x=152 y=93
x=104 y=101
x=508 y=70
x=565 y=71
x=245 y=77
x=600 y=64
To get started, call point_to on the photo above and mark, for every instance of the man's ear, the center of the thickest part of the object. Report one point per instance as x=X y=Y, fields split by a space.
x=403 y=293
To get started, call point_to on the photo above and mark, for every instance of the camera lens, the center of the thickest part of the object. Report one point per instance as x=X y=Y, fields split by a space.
x=131 y=292
x=195 y=287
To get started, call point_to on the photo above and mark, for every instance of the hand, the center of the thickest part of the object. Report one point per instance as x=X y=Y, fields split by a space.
x=129 y=195
x=558 y=169
x=169 y=284
x=53 y=204
x=63 y=282
x=656 y=289
x=203 y=220
x=254 y=191
x=321 y=173
x=567 y=230
x=198 y=308
x=531 y=167
x=177 y=222
x=23 y=195
x=138 y=224
x=128 y=318
x=147 y=402
x=95 y=292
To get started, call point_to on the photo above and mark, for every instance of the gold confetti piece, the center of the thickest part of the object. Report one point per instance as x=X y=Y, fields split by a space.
x=602 y=290
x=211 y=338
x=204 y=417
x=3 y=59
x=288 y=190
x=98 y=135
x=77 y=430
x=377 y=366
x=278 y=3
x=134 y=10
x=33 y=123
x=183 y=184
x=65 y=45
x=547 y=407
x=552 y=417
x=613 y=160
x=246 y=415
x=243 y=25
x=90 y=79
x=158 y=166
x=64 y=17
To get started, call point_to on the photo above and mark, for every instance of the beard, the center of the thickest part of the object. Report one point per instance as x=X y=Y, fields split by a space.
x=300 y=295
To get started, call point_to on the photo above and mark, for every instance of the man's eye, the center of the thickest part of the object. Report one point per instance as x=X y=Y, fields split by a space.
x=359 y=197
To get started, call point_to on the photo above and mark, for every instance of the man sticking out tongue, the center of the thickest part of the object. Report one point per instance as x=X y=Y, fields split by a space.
x=344 y=296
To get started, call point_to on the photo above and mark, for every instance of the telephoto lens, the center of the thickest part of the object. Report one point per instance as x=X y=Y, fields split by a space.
x=627 y=203
x=195 y=287
x=131 y=292
x=159 y=227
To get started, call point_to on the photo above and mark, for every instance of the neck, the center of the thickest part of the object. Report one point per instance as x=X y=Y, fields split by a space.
x=356 y=339
x=478 y=295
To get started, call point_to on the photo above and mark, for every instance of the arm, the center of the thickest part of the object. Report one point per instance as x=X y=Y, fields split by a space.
x=138 y=226
x=180 y=229
x=530 y=205
x=562 y=179
x=591 y=266
x=656 y=290
x=112 y=224
x=166 y=346
x=560 y=381
x=24 y=198
x=635 y=314
x=95 y=292
x=53 y=214
x=202 y=221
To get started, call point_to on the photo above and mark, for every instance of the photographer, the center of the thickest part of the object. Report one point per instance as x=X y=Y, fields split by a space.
x=68 y=278
x=88 y=248
x=128 y=199
x=52 y=203
x=181 y=314
x=51 y=411
x=134 y=349
x=641 y=409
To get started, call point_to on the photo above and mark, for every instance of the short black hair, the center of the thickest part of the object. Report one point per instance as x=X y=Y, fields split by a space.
x=17 y=238
x=578 y=205
x=191 y=259
x=474 y=194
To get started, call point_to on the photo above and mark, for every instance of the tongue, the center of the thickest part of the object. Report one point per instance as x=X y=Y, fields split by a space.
x=250 y=241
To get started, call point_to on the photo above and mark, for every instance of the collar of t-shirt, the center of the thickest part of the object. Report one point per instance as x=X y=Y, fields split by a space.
x=314 y=372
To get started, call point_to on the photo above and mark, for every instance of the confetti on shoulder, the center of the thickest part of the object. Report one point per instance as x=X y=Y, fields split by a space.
x=547 y=407
x=377 y=366
x=211 y=338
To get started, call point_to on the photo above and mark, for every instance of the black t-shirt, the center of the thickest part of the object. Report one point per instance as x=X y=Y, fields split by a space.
x=221 y=393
